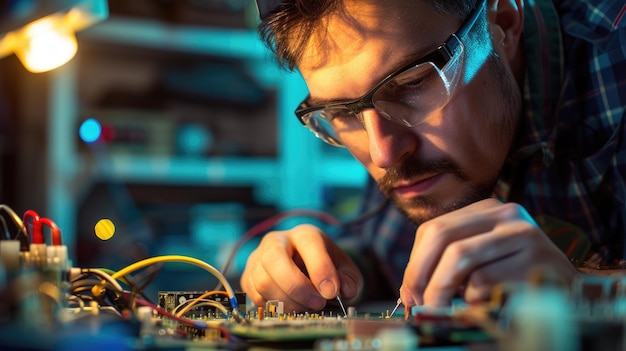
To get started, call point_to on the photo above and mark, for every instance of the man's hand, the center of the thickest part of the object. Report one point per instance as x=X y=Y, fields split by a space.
x=301 y=267
x=472 y=249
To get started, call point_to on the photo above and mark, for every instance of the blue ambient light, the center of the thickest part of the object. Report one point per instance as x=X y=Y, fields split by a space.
x=90 y=130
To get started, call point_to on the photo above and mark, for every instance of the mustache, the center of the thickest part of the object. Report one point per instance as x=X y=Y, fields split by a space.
x=414 y=168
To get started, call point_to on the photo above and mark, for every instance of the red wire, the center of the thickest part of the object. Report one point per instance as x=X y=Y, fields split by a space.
x=35 y=216
x=270 y=222
x=185 y=321
x=55 y=231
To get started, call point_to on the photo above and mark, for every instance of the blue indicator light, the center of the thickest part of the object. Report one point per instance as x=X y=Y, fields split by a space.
x=90 y=130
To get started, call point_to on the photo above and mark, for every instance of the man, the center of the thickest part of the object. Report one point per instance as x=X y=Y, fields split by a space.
x=508 y=134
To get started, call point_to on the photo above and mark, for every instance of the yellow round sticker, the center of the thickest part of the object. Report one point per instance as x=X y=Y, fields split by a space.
x=105 y=229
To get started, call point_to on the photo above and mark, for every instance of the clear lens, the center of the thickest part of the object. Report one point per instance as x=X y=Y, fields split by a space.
x=413 y=95
x=408 y=99
x=331 y=122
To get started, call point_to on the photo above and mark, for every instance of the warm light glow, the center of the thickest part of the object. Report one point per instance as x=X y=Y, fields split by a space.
x=50 y=40
x=45 y=44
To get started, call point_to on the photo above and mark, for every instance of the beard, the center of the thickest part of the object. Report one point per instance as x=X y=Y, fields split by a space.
x=423 y=208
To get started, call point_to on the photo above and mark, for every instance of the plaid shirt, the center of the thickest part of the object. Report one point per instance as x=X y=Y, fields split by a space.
x=568 y=165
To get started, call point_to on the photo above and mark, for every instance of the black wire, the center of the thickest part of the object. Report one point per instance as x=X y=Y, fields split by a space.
x=86 y=282
x=78 y=289
x=88 y=273
x=149 y=274
x=17 y=221
x=81 y=297
x=6 y=228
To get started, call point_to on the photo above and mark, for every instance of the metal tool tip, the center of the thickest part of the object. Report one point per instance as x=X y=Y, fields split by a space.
x=342 y=307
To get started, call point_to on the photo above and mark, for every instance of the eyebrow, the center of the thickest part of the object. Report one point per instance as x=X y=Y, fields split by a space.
x=312 y=101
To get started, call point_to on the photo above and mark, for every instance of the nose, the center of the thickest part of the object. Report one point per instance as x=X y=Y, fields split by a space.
x=389 y=142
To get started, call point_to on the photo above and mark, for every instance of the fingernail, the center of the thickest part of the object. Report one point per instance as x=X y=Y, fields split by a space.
x=328 y=289
x=408 y=299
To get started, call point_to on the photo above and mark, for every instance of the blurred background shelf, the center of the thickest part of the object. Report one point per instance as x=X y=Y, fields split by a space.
x=216 y=170
x=206 y=123
x=229 y=42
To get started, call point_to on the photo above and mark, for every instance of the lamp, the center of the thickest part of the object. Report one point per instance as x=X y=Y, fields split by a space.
x=42 y=33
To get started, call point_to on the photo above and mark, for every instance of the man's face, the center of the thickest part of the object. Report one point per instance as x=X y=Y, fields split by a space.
x=454 y=157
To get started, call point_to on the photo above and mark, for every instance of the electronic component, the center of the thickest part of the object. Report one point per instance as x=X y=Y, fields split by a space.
x=43 y=293
x=175 y=301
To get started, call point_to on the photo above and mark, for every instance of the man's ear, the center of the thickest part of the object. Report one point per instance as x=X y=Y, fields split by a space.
x=506 y=22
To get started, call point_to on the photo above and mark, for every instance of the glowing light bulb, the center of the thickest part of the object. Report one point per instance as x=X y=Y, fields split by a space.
x=46 y=44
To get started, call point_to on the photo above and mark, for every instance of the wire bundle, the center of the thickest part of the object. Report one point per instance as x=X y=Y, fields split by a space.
x=72 y=293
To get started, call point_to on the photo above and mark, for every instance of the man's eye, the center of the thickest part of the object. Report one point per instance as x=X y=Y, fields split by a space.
x=412 y=84
x=340 y=115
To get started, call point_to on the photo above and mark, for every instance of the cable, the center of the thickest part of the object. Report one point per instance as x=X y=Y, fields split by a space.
x=105 y=278
x=21 y=229
x=7 y=232
x=134 y=282
x=203 y=302
x=111 y=272
x=78 y=300
x=191 y=303
x=35 y=216
x=105 y=287
x=176 y=258
x=189 y=322
x=268 y=223
x=99 y=288
x=38 y=231
x=16 y=219
x=140 y=281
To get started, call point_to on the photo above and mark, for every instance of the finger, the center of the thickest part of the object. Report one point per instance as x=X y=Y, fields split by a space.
x=313 y=248
x=269 y=289
x=546 y=261
x=433 y=237
x=247 y=282
x=329 y=267
x=280 y=276
x=458 y=217
x=481 y=282
x=463 y=257
x=351 y=280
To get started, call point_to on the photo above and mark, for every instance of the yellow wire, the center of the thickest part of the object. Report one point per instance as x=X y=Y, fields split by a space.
x=191 y=303
x=111 y=272
x=107 y=271
x=176 y=258
x=104 y=276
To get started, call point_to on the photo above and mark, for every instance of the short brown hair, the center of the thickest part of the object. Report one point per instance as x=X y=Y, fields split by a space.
x=287 y=29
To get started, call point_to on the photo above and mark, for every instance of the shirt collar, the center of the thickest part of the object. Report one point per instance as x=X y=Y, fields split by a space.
x=543 y=50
